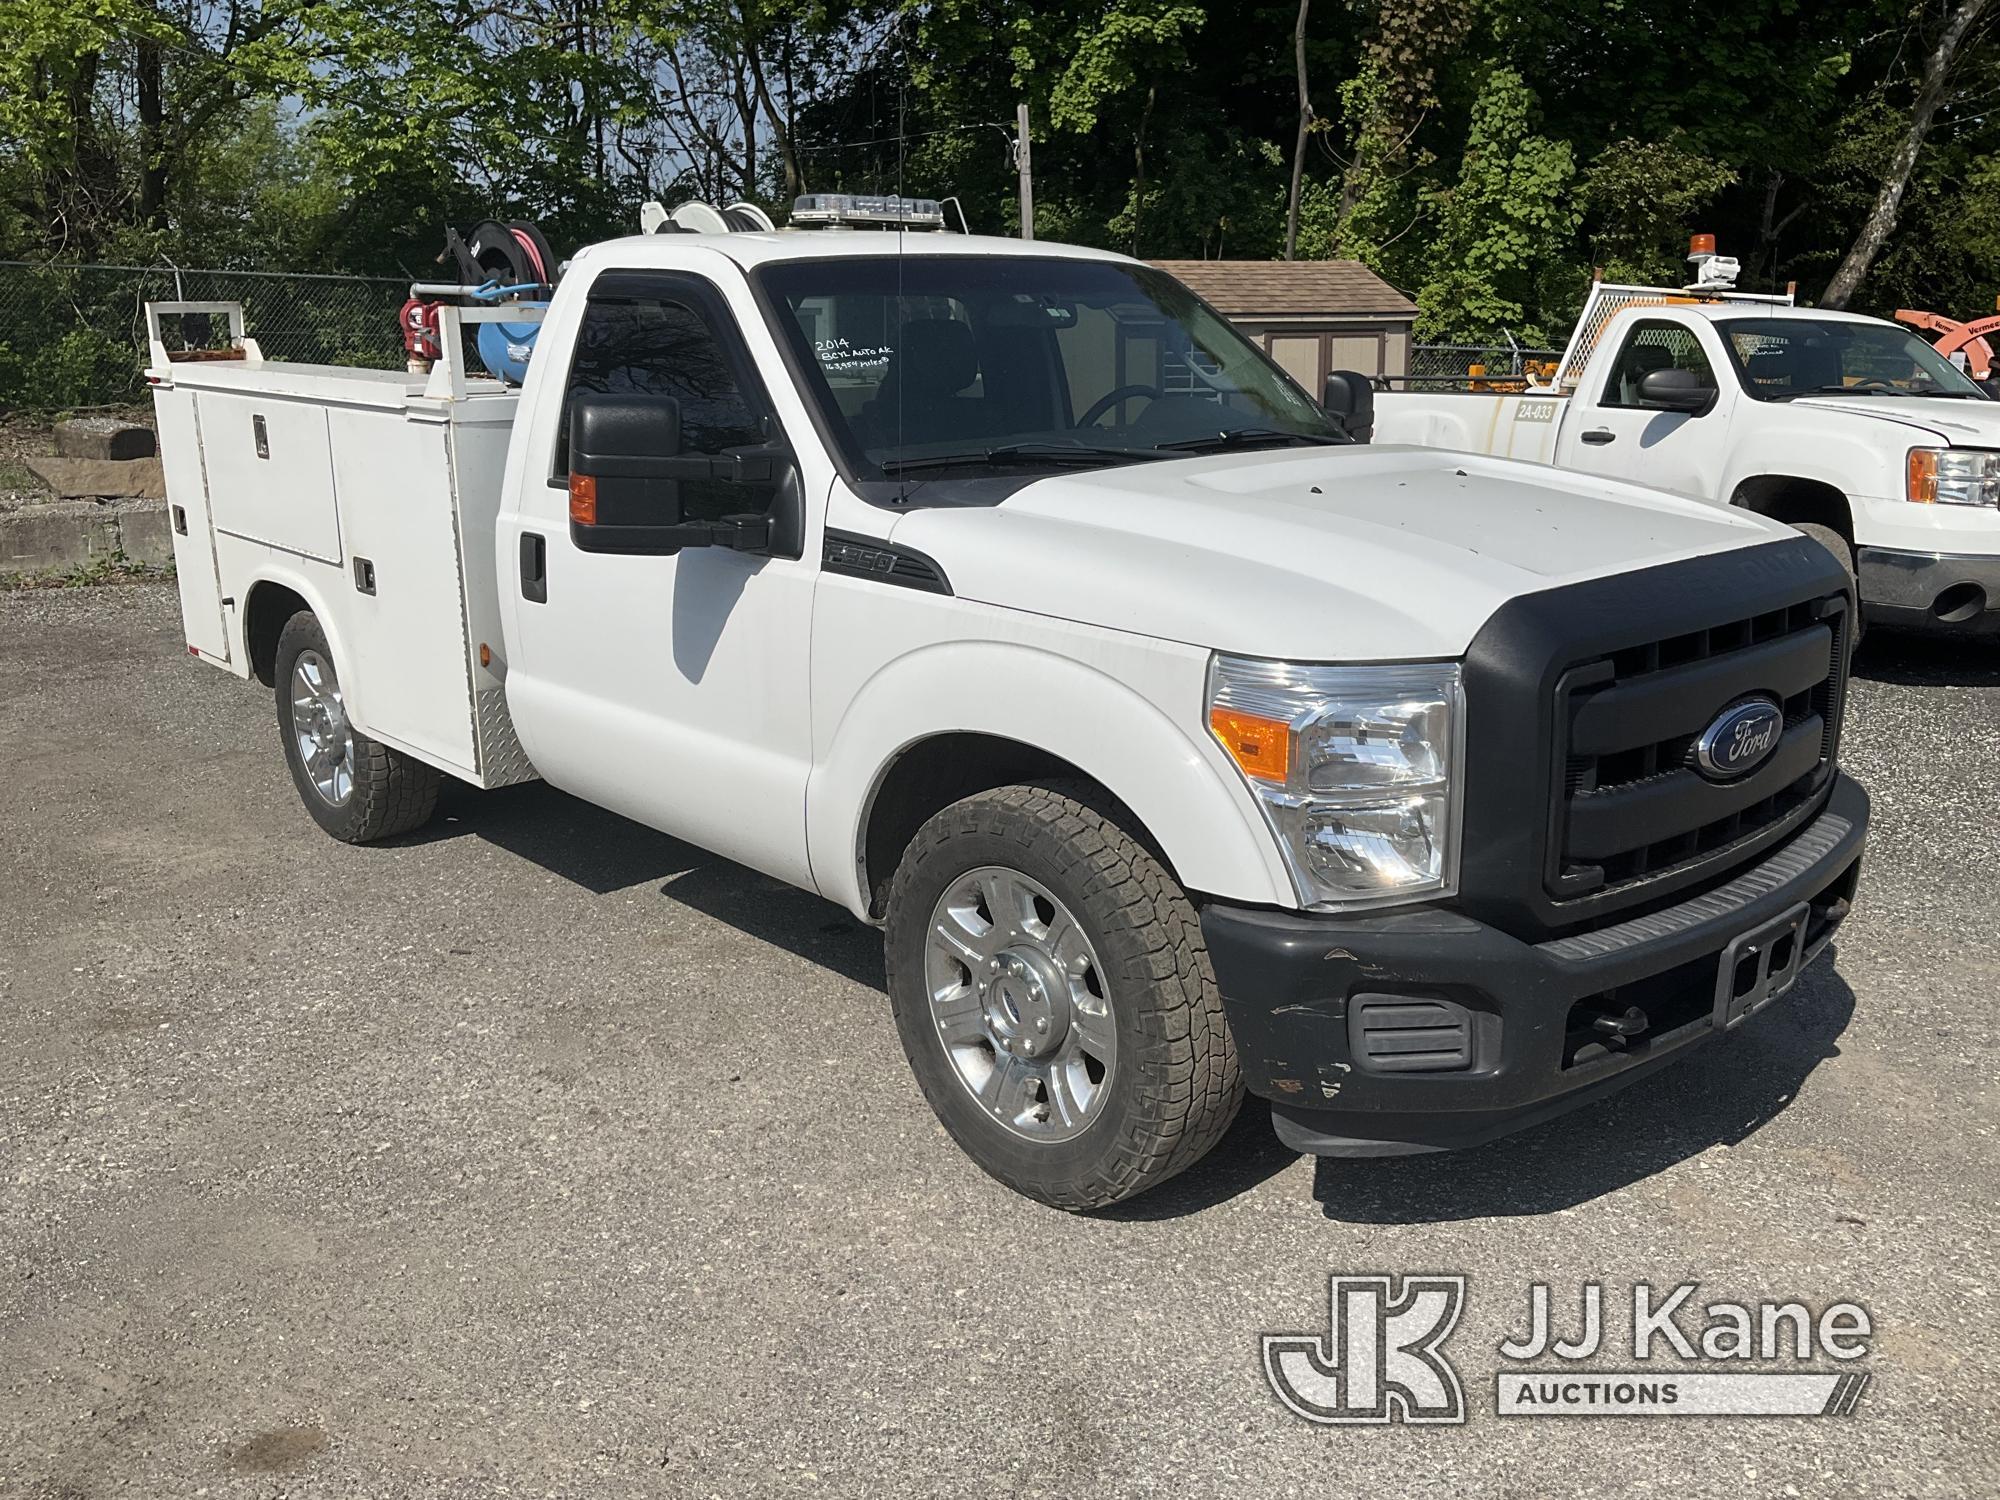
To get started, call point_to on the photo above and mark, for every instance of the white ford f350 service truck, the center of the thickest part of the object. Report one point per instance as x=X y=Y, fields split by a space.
x=1005 y=595
x=1852 y=429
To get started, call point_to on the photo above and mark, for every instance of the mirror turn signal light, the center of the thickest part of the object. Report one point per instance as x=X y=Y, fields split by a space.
x=583 y=499
x=1261 y=747
x=1922 y=483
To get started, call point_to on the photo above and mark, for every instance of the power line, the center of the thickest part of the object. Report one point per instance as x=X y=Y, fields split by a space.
x=1006 y=131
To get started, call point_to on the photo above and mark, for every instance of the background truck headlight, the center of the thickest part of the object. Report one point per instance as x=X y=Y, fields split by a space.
x=1954 y=476
x=1355 y=768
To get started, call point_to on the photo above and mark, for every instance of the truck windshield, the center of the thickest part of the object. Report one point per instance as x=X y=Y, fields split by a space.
x=1780 y=358
x=928 y=363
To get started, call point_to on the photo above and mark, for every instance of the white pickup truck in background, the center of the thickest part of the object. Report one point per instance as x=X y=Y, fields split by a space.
x=1007 y=596
x=1852 y=429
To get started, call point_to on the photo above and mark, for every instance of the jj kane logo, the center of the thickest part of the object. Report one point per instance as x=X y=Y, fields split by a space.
x=1382 y=1356
x=1379 y=1362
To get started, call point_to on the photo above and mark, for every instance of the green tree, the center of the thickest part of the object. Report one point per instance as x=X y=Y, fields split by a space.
x=1505 y=224
x=1642 y=197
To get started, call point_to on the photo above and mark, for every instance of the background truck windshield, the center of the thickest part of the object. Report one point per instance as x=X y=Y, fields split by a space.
x=933 y=361
x=1785 y=357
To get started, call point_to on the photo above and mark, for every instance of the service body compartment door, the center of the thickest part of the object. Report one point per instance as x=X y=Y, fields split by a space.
x=401 y=613
x=270 y=474
x=187 y=510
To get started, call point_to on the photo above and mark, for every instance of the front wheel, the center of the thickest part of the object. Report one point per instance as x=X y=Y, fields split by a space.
x=356 y=788
x=1055 y=999
x=1837 y=544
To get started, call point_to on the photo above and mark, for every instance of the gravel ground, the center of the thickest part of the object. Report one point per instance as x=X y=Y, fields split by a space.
x=543 y=1155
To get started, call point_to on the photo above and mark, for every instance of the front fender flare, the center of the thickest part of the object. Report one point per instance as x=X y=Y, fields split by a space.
x=1190 y=800
x=1860 y=464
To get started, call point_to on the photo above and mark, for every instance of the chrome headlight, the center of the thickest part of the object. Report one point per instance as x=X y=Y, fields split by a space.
x=1953 y=476
x=1356 y=769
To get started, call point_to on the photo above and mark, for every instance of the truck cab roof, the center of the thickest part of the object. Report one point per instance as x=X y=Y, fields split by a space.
x=1724 y=312
x=755 y=249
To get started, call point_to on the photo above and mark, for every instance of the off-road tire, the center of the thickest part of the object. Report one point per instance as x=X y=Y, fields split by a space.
x=393 y=792
x=1176 y=1087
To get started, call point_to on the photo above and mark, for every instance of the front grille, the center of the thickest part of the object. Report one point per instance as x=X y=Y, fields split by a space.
x=1630 y=805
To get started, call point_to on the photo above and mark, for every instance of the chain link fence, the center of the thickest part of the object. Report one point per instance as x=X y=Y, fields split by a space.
x=1458 y=367
x=75 y=336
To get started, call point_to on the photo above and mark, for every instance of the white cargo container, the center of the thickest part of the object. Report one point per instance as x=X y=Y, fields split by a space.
x=379 y=487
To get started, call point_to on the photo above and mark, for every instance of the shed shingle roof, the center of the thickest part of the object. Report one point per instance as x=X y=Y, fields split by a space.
x=1291 y=288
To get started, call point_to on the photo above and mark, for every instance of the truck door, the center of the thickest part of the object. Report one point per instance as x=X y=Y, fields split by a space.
x=1611 y=430
x=672 y=688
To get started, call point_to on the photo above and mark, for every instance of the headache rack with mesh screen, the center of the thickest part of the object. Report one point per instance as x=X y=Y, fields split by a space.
x=1632 y=804
x=1608 y=299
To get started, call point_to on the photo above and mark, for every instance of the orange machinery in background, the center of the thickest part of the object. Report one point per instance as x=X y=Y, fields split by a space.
x=1952 y=336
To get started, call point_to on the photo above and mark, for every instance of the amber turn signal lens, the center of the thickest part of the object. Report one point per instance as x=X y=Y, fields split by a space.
x=1922 y=486
x=583 y=499
x=1261 y=746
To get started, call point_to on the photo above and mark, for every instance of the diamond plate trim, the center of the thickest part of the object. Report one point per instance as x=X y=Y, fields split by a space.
x=502 y=761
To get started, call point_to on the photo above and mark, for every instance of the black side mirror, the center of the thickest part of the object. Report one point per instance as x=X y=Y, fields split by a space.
x=626 y=468
x=1676 y=390
x=1350 y=401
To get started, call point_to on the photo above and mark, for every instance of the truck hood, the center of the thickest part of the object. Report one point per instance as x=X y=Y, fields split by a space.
x=1963 y=424
x=1321 y=554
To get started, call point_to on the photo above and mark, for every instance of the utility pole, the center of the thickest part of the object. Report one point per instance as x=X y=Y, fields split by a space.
x=1305 y=130
x=1025 y=167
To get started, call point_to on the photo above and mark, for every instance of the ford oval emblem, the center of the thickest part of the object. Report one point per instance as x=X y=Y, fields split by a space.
x=1740 y=740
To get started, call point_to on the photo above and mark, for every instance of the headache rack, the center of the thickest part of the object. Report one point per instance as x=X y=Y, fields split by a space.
x=1609 y=298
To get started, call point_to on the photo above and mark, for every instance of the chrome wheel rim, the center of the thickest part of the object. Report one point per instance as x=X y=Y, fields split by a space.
x=320 y=730
x=1020 y=1003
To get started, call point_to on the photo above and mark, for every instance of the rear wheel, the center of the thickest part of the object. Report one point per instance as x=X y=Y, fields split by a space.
x=1837 y=544
x=1055 y=999
x=356 y=788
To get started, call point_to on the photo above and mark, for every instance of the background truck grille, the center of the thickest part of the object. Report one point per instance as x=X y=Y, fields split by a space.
x=1631 y=805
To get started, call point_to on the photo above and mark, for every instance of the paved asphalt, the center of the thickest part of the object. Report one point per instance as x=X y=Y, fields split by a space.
x=543 y=1155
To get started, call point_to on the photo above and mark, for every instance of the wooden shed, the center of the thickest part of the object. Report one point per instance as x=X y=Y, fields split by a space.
x=1311 y=316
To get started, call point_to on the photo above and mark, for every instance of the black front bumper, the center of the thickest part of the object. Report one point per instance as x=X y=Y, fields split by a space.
x=1498 y=1033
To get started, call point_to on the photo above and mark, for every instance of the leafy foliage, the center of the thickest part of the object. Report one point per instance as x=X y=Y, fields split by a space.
x=1484 y=155
x=1513 y=197
x=1642 y=195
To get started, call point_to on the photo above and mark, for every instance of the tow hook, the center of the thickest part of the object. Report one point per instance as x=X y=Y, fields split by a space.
x=1630 y=1023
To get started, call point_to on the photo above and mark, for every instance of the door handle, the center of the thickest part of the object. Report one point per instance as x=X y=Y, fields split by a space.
x=1597 y=437
x=534 y=568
